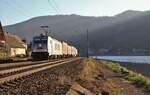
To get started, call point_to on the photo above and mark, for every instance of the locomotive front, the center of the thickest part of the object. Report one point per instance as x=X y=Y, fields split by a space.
x=39 y=48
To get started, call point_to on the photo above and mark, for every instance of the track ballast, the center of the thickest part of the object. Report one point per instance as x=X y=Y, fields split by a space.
x=13 y=74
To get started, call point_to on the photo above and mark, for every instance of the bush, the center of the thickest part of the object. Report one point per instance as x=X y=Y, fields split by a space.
x=4 y=56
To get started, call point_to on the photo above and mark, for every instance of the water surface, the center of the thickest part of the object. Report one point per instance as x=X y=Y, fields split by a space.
x=132 y=59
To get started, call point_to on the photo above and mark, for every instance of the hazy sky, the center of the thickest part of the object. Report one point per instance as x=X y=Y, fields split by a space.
x=14 y=11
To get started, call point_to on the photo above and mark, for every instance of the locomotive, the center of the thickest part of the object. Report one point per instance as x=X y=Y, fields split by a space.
x=46 y=47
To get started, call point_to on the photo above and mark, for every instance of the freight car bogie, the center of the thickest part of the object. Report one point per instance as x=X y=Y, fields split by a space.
x=64 y=56
x=55 y=57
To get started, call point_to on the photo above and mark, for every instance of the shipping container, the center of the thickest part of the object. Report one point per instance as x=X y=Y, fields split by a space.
x=56 y=47
x=64 y=49
x=69 y=50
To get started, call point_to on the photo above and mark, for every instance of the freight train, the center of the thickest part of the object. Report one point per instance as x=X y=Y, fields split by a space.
x=46 y=47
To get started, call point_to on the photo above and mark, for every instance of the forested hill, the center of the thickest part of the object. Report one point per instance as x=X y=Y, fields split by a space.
x=125 y=31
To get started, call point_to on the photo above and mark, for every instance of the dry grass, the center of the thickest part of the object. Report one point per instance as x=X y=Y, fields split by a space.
x=93 y=78
x=90 y=70
x=63 y=80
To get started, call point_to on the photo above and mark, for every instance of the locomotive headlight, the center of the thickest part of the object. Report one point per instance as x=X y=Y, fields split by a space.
x=34 y=50
x=45 y=50
x=40 y=45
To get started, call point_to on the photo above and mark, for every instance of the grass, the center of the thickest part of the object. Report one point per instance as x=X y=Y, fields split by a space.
x=3 y=54
x=137 y=78
x=118 y=92
x=89 y=70
x=92 y=75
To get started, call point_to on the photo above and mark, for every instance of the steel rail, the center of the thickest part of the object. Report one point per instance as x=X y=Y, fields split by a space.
x=7 y=71
x=19 y=64
x=26 y=73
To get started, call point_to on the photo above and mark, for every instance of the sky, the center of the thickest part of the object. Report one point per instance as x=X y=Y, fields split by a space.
x=15 y=11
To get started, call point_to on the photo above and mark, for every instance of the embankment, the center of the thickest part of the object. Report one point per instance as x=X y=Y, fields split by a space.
x=139 y=68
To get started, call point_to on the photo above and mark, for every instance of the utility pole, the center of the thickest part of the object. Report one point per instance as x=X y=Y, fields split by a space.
x=87 y=55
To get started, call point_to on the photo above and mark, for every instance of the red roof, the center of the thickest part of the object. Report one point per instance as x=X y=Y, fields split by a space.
x=14 y=41
x=11 y=40
x=2 y=37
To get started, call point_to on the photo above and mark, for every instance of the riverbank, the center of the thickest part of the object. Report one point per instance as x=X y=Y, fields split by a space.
x=136 y=67
x=139 y=64
x=135 y=78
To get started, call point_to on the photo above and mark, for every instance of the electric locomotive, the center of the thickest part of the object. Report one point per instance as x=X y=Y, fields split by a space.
x=39 y=47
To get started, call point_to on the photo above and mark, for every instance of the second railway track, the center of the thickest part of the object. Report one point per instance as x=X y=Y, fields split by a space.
x=21 y=64
x=27 y=67
x=20 y=72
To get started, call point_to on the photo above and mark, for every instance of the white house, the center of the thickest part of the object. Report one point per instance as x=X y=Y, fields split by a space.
x=15 y=45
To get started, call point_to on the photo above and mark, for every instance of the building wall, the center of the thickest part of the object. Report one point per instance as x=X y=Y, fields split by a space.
x=17 y=51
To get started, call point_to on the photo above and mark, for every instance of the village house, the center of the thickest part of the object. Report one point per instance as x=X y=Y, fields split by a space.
x=14 y=44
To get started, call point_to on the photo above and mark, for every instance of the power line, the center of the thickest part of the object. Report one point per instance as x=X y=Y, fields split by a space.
x=7 y=4
x=14 y=7
x=54 y=7
x=27 y=11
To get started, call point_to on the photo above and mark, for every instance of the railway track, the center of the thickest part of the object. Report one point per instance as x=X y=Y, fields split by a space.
x=12 y=74
x=20 y=64
x=26 y=67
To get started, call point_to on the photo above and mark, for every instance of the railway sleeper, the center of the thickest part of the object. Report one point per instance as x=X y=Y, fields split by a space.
x=18 y=79
x=10 y=84
x=14 y=71
x=14 y=82
x=3 y=87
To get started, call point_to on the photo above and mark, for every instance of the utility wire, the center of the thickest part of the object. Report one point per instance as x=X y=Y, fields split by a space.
x=15 y=8
x=54 y=8
x=7 y=4
x=27 y=11
x=56 y=5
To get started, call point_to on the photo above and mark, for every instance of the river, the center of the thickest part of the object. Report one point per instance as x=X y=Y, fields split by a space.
x=140 y=64
x=131 y=59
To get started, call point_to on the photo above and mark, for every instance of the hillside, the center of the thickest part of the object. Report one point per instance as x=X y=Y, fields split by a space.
x=126 y=31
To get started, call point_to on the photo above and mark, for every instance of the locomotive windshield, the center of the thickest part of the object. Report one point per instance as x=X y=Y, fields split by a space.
x=40 y=40
x=39 y=43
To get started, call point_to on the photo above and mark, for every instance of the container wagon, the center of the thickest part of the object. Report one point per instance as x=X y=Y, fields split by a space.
x=73 y=51
x=69 y=54
x=46 y=47
x=64 y=49
x=56 y=49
